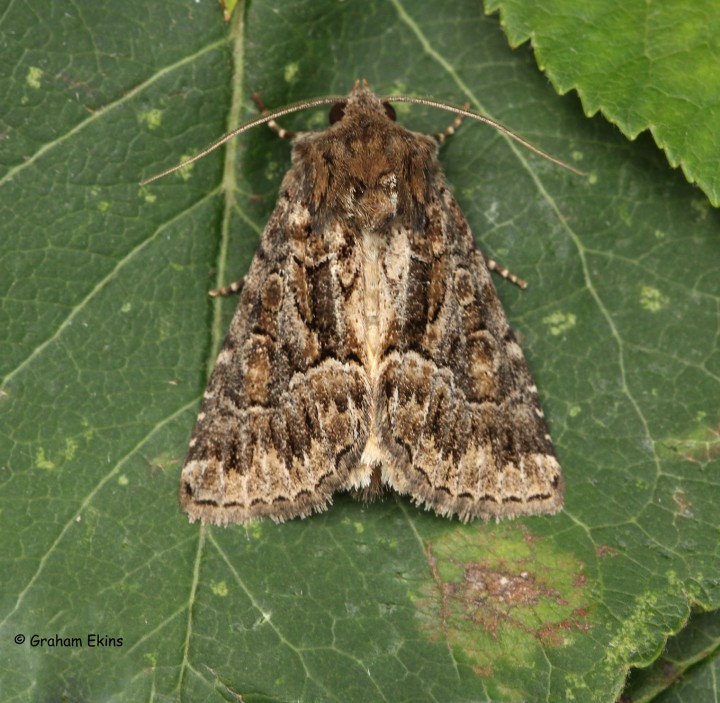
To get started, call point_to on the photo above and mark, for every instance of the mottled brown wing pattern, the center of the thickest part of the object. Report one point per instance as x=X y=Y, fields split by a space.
x=285 y=414
x=368 y=348
x=460 y=415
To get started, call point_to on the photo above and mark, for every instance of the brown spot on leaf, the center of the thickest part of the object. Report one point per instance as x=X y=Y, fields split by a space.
x=501 y=594
x=604 y=550
x=682 y=502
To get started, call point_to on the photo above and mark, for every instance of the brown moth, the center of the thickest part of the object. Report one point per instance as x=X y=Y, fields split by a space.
x=369 y=348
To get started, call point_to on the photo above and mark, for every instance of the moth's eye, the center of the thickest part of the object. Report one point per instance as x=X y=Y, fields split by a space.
x=337 y=112
x=390 y=111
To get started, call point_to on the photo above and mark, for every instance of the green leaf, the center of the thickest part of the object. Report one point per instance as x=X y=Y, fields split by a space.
x=645 y=66
x=687 y=669
x=110 y=334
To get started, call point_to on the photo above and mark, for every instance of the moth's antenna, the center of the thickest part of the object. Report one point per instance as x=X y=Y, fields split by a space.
x=261 y=119
x=481 y=118
x=332 y=99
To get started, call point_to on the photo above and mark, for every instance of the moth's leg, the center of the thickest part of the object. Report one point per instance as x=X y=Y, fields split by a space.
x=442 y=136
x=282 y=133
x=494 y=266
x=234 y=287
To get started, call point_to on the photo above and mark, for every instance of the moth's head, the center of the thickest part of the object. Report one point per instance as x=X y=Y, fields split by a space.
x=361 y=101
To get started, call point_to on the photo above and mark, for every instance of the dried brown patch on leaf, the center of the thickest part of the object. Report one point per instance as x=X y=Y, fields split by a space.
x=502 y=596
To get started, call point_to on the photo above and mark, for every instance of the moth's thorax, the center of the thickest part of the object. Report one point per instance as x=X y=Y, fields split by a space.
x=367 y=169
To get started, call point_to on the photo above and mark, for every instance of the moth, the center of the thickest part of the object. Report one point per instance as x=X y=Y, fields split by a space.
x=369 y=349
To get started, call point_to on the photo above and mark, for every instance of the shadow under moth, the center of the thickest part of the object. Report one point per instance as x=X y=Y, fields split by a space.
x=369 y=348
